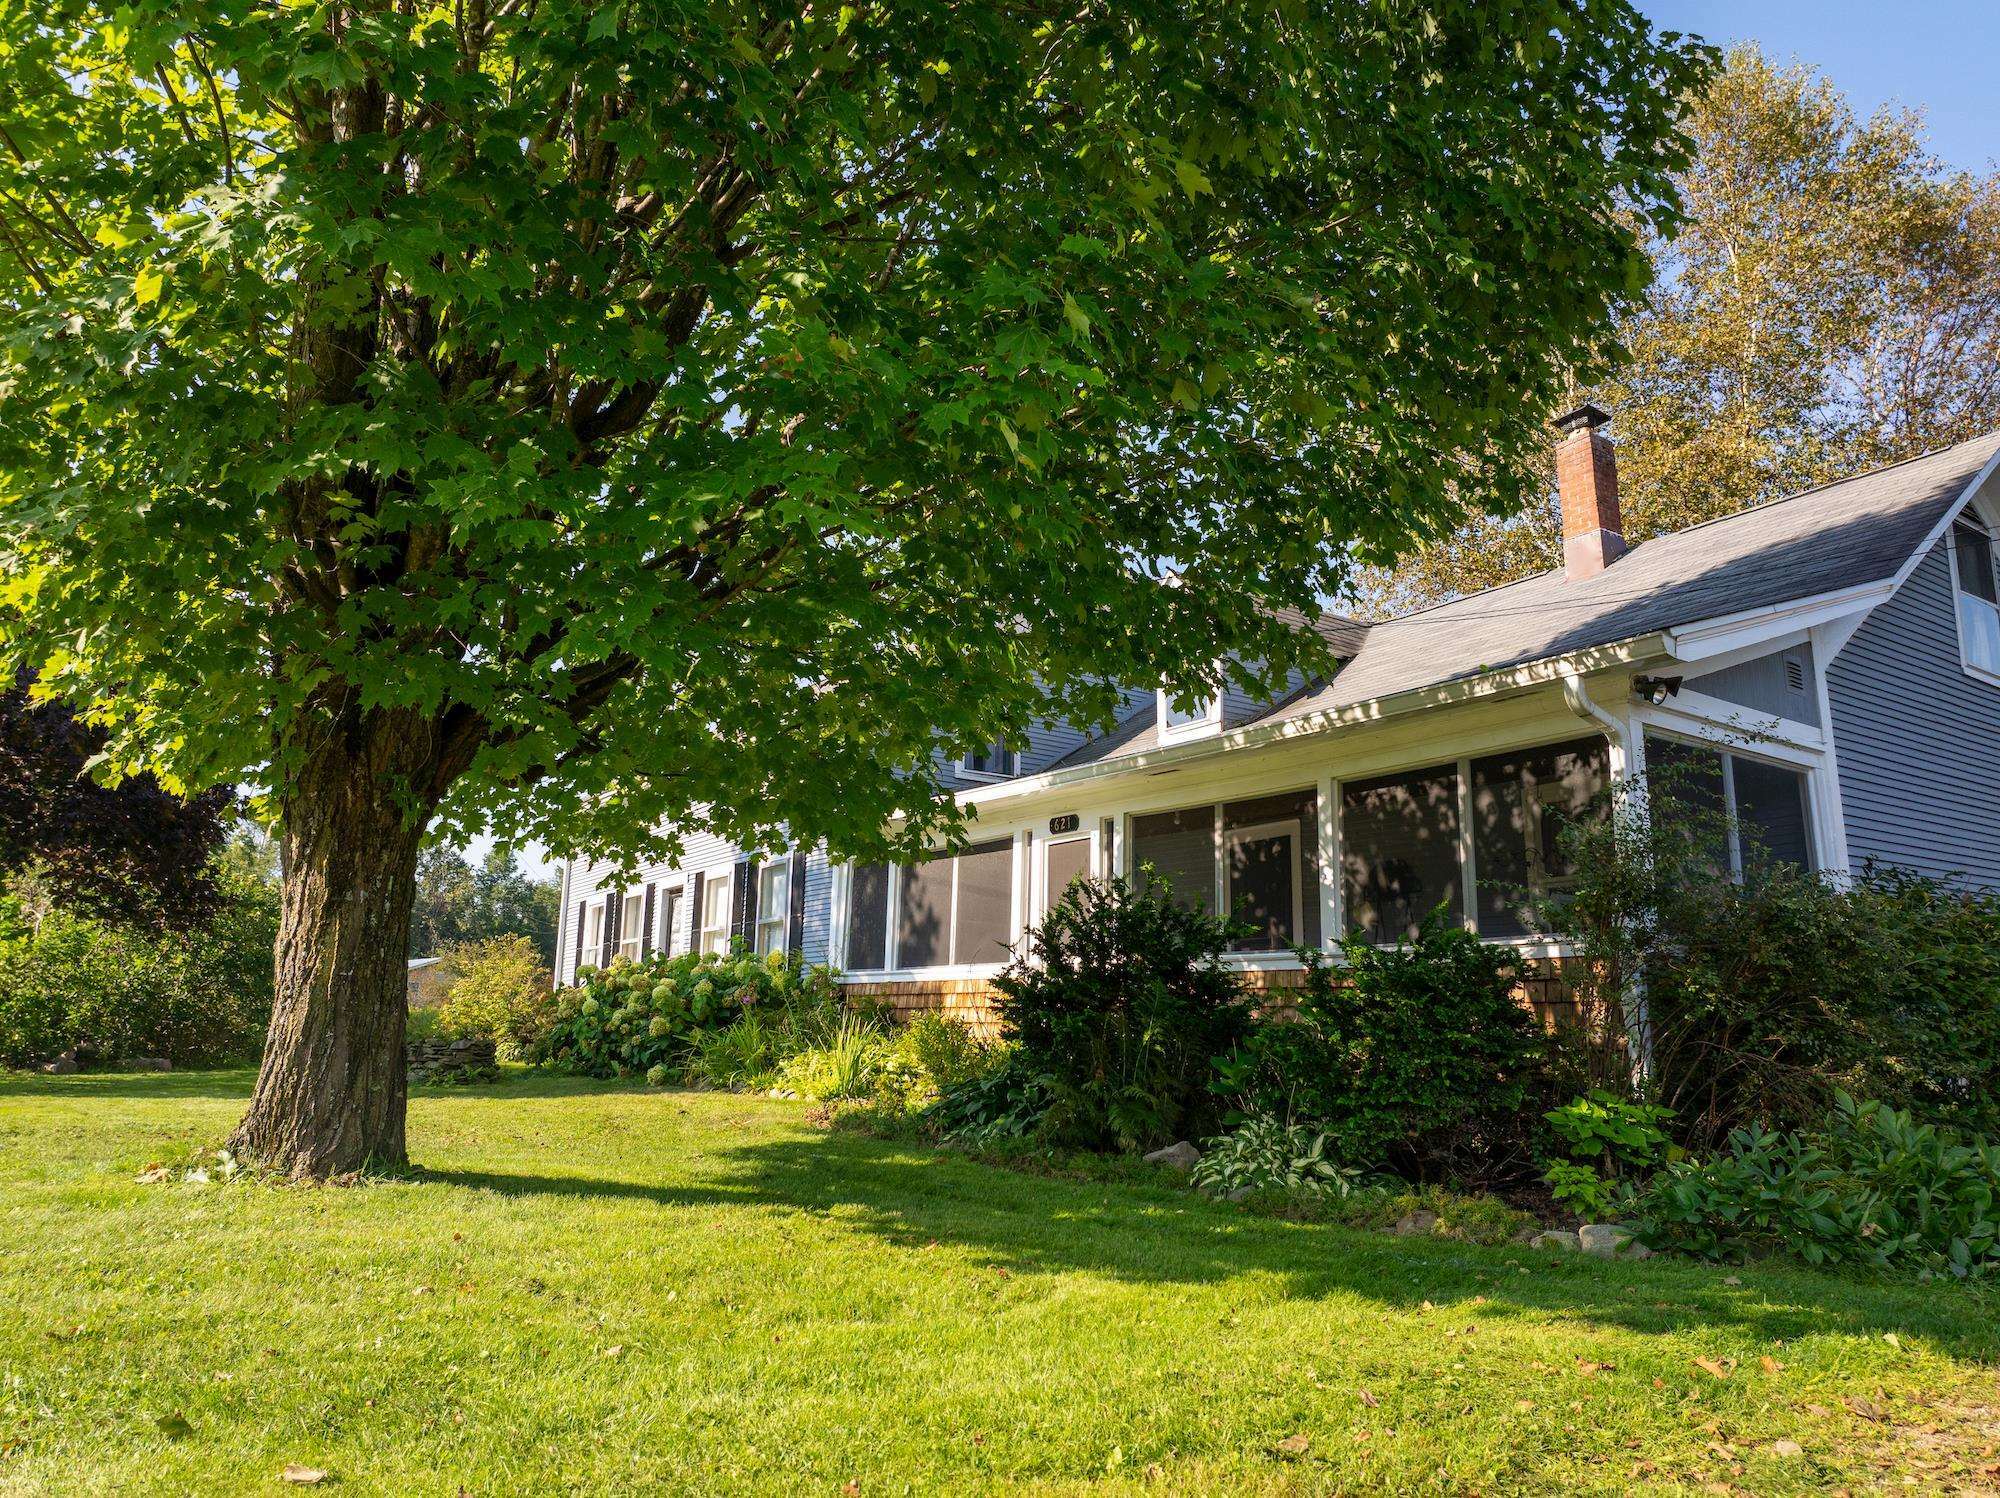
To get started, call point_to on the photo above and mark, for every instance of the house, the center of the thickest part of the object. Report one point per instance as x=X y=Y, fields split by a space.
x=1830 y=661
x=428 y=980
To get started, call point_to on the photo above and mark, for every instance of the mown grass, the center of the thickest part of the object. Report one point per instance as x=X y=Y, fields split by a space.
x=594 y=1288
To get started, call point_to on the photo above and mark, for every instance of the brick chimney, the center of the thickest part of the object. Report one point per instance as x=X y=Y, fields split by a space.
x=1587 y=475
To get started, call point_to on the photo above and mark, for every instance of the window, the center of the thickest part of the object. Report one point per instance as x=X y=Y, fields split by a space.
x=1399 y=857
x=670 y=919
x=1063 y=864
x=1978 y=596
x=1767 y=806
x=868 y=917
x=714 y=915
x=1187 y=722
x=1268 y=874
x=774 y=906
x=1520 y=803
x=590 y=950
x=995 y=762
x=632 y=925
x=948 y=911
x=1176 y=849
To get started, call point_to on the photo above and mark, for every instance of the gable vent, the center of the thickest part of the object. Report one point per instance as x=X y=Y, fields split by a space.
x=1795 y=673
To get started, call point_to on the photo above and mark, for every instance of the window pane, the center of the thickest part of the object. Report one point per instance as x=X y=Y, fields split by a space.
x=1298 y=812
x=1975 y=562
x=1176 y=717
x=984 y=923
x=715 y=896
x=1180 y=846
x=923 y=915
x=994 y=759
x=1771 y=810
x=1684 y=773
x=1262 y=888
x=1399 y=852
x=1520 y=803
x=670 y=922
x=868 y=917
x=631 y=925
x=1979 y=622
x=774 y=908
x=1067 y=862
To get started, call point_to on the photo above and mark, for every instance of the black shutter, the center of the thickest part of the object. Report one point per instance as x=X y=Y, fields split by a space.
x=743 y=922
x=611 y=904
x=795 y=924
x=576 y=951
x=646 y=932
x=694 y=941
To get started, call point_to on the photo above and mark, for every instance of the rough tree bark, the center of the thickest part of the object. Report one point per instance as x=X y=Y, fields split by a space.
x=330 y=1093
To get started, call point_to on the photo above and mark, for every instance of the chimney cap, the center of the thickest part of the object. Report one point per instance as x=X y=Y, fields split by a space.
x=1586 y=417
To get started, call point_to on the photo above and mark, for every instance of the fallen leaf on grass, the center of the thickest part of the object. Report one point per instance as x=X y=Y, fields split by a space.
x=302 y=1475
x=152 y=1175
x=1731 y=1279
x=1590 y=1369
x=1787 y=1448
x=1716 y=1367
x=1867 y=1409
x=1296 y=1445
x=1892 y=1339
x=1770 y=1364
x=613 y=1352
x=1370 y=1400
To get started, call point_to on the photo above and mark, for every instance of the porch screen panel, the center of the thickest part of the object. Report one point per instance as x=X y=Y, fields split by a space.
x=1067 y=862
x=983 y=921
x=923 y=915
x=1180 y=846
x=868 y=917
x=1399 y=852
x=1520 y=804
x=1261 y=869
x=1685 y=773
x=1771 y=812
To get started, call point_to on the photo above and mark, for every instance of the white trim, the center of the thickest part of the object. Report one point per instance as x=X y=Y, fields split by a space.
x=1753 y=631
x=1691 y=704
x=1331 y=900
x=1468 y=873
x=710 y=879
x=1013 y=759
x=1960 y=598
x=783 y=920
x=1043 y=898
x=1826 y=793
x=663 y=929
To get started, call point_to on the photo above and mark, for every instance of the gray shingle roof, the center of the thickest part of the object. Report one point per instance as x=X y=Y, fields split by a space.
x=1846 y=534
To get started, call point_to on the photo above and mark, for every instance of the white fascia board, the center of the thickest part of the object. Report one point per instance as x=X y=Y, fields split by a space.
x=1638 y=651
x=1692 y=706
x=1759 y=631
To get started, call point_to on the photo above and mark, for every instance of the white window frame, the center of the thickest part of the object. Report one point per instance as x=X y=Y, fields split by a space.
x=1208 y=724
x=1973 y=515
x=892 y=970
x=1011 y=758
x=593 y=933
x=776 y=913
x=725 y=880
x=1808 y=768
x=1296 y=830
x=632 y=934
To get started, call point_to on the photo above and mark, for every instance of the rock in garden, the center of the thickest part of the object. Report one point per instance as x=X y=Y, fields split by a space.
x=1416 y=1225
x=1180 y=1156
x=1554 y=1238
x=62 y=1066
x=1607 y=1240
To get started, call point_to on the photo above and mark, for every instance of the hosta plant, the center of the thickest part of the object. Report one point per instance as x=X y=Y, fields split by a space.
x=1267 y=1154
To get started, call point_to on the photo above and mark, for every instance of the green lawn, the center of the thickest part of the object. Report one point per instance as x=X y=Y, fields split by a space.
x=596 y=1288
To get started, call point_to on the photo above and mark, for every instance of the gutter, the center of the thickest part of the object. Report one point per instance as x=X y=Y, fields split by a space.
x=1640 y=650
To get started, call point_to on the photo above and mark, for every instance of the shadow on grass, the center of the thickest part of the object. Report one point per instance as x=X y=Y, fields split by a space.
x=907 y=1197
x=227 y=1082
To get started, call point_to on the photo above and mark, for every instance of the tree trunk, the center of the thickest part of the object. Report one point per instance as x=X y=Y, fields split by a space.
x=331 y=1092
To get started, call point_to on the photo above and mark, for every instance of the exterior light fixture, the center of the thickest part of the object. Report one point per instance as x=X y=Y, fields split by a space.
x=1656 y=689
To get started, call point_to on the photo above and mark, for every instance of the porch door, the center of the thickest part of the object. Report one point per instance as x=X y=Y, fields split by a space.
x=1063 y=863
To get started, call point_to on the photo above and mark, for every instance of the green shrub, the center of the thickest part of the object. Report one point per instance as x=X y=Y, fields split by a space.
x=1871 y=1187
x=1117 y=1008
x=849 y=1067
x=1608 y=1139
x=1007 y=1102
x=1415 y=1058
x=1268 y=1154
x=1464 y=1217
x=193 y=996
x=720 y=1021
x=498 y=991
x=1765 y=995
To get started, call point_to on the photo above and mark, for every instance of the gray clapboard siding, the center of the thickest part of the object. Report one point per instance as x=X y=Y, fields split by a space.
x=1764 y=685
x=1918 y=739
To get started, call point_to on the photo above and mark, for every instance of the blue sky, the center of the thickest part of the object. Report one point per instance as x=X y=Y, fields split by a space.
x=1942 y=56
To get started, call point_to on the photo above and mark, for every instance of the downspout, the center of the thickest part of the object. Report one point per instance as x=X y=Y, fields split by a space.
x=1632 y=1000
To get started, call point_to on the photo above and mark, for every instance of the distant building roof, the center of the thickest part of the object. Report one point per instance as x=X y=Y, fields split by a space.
x=417 y=964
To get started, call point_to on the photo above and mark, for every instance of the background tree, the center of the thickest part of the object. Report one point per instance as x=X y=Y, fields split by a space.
x=131 y=853
x=1831 y=303
x=583 y=418
x=456 y=903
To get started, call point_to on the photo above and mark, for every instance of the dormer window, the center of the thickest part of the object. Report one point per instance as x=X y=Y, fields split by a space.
x=1177 y=723
x=994 y=762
